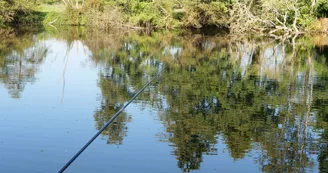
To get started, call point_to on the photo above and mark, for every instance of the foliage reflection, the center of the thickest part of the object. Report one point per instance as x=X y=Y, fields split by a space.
x=256 y=94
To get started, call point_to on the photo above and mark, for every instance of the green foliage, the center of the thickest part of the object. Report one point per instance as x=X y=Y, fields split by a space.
x=199 y=13
x=149 y=13
x=278 y=17
x=19 y=11
x=322 y=8
x=70 y=16
x=50 y=1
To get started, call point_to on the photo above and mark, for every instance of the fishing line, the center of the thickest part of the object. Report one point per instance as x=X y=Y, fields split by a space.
x=108 y=123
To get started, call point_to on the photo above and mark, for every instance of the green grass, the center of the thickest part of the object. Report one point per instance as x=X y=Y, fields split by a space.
x=47 y=8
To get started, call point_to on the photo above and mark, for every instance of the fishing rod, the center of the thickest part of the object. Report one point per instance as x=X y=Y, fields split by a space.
x=108 y=123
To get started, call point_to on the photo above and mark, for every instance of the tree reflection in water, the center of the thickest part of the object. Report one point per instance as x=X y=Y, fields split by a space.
x=257 y=94
x=253 y=93
x=20 y=56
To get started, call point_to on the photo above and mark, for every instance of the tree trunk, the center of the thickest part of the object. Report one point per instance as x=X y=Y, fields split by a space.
x=296 y=17
x=312 y=5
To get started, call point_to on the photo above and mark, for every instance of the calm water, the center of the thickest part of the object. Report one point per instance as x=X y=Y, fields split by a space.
x=221 y=104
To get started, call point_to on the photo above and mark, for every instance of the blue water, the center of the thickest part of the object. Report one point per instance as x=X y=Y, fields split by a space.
x=52 y=116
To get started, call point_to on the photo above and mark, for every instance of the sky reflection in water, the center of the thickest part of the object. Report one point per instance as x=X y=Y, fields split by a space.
x=221 y=104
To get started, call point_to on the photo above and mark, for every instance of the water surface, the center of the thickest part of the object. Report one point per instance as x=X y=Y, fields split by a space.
x=221 y=104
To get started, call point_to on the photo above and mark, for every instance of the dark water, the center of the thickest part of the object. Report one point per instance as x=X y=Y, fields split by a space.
x=221 y=104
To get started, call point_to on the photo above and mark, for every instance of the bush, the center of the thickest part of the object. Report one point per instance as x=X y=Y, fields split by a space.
x=322 y=8
x=70 y=16
x=19 y=12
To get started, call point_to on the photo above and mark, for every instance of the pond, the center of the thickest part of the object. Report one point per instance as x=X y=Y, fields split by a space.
x=220 y=104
